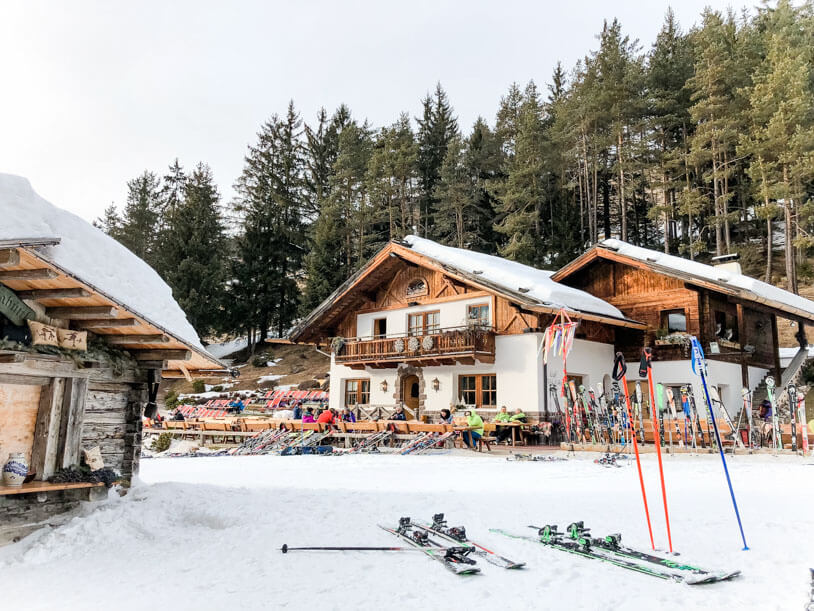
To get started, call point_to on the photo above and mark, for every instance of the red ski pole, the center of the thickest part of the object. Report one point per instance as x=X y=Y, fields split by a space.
x=646 y=368
x=619 y=370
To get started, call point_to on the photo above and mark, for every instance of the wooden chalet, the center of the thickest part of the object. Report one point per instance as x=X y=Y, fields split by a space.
x=438 y=318
x=57 y=401
x=734 y=316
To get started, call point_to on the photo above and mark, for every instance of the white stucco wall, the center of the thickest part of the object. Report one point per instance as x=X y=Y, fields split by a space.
x=451 y=314
x=591 y=360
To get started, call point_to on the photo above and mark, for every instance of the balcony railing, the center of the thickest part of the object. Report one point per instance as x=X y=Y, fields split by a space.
x=444 y=346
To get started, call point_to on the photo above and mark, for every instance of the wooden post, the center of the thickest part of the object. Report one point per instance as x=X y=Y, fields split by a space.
x=73 y=412
x=46 y=430
x=742 y=340
x=778 y=373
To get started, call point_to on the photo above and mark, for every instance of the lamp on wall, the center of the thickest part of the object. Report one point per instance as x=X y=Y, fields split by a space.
x=436 y=384
x=383 y=385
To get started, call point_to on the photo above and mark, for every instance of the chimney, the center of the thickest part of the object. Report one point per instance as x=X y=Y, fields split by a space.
x=728 y=262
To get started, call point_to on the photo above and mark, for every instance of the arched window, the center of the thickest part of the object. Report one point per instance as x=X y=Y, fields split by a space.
x=417 y=287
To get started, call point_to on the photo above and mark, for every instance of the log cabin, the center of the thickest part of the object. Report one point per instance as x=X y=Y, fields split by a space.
x=734 y=316
x=427 y=326
x=62 y=279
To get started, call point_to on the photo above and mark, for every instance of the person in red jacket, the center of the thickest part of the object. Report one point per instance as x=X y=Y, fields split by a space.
x=327 y=416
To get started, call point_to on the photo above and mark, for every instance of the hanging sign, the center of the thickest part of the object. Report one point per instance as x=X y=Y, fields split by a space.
x=13 y=308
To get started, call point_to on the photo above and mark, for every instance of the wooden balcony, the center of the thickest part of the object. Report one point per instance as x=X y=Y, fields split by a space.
x=447 y=346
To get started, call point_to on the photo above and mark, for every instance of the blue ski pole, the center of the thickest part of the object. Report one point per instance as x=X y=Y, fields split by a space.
x=699 y=367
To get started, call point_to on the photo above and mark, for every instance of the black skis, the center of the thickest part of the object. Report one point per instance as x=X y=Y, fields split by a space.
x=457 y=535
x=454 y=559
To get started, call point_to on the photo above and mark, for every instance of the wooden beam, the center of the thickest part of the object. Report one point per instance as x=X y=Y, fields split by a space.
x=70 y=427
x=82 y=313
x=53 y=293
x=162 y=355
x=9 y=257
x=45 y=273
x=119 y=340
x=107 y=323
x=46 y=430
x=10 y=378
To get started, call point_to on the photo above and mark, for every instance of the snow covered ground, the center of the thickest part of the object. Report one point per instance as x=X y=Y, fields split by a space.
x=205 y=533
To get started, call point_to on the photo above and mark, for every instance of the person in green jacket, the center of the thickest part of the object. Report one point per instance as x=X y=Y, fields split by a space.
x=503 y=432
x=474 y=429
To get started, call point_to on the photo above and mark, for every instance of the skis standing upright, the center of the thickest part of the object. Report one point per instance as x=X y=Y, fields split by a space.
x=801 y=408
x=791 y=389
x=716 y=401
x=689 y=424
x=638 y=410
x=747 y=407
x=777 y=440
x=671 y=403
x=696 y=419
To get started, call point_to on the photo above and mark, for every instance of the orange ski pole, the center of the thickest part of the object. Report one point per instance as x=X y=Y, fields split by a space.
x=646 y=368
x=619 y=370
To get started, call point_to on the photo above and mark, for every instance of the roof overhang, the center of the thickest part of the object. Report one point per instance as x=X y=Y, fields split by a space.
x=70 y=298
x=394 y=250
x=745 y=296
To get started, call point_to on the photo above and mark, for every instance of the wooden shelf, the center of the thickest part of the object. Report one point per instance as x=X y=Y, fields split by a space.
x=36 y=486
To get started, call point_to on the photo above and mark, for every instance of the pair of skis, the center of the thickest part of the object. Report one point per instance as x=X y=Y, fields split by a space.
x=578 y=541
x=448 y=545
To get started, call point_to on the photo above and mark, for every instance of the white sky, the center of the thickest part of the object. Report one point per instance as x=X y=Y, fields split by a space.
x=94 y=92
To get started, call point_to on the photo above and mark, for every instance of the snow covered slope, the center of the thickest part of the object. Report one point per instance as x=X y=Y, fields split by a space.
x=532 y=282
x=205 y=533
x=92 y=256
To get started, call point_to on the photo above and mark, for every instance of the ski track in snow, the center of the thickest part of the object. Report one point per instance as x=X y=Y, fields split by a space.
x=205 y=533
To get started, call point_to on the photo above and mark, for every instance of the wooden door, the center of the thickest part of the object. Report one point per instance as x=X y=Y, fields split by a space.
x=409 y=393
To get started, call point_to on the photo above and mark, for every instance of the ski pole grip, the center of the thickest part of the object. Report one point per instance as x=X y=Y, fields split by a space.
x=644 y=363
x=284 y=548
x=619 y=366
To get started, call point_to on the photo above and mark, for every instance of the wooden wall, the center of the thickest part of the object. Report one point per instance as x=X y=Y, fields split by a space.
x=18 y=416
x=110 y=418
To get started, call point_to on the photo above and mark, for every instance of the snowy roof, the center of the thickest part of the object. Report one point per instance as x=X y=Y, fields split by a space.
x=754 y=289
x=80 y=249
x=534 y=284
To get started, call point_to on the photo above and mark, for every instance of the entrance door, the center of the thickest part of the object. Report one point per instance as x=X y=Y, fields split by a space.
x=409 y=393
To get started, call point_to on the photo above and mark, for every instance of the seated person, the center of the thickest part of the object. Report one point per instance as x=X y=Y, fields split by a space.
x=348 y=416
x=518 y=416
x=327 y=416
x=445 y=416
x=474 y=430
x=178 y=416
x=308 y=416
x=297 y=411
x=503 y=433
x=398 y=414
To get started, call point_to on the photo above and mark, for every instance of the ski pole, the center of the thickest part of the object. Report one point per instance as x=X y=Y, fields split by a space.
x=285 y=549
x=646 y=369
x=699 y=367
x=619 y=370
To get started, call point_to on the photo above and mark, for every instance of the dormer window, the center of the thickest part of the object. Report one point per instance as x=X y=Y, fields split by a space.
x=416 y=288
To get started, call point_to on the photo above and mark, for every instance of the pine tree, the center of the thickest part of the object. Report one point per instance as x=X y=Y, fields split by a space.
x=436 y=128
x=270 y=198
x=781 y=111
x=670 y=65
x=140 y=217
x=110 y=222
x=193 y=251
x=454 y=192
x=391 y=178
x=519 y=210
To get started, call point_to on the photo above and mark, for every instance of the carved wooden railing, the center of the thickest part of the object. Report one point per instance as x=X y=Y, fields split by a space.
x=443 y=343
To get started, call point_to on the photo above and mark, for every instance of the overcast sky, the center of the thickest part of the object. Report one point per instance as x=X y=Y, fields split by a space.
x=94 y=92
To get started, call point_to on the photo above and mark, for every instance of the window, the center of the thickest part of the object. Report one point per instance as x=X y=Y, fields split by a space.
x=380 y=327
x=675 y=321
x=726 y=326
x=357 y=392
x=478 y=390
x=479 y=315
x=424 y=323
x=417 y=288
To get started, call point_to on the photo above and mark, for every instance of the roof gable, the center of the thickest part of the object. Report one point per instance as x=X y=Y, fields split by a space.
x=526 y=286
x=711 y=277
